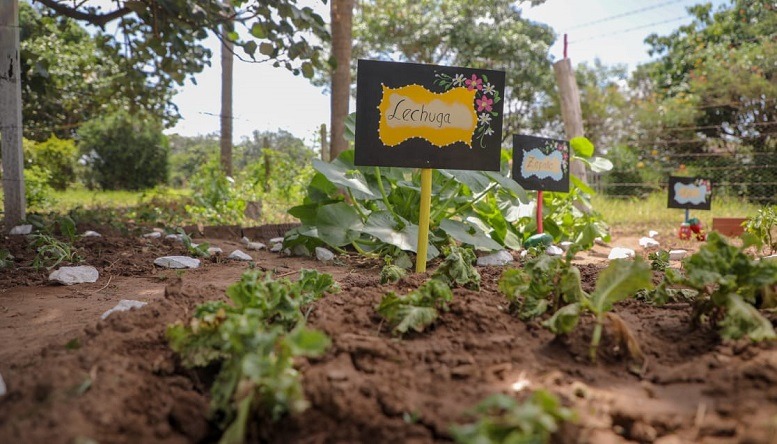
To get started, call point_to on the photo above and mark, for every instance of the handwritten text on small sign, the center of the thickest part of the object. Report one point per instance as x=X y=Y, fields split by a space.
x=541 y=164
x=690 y=192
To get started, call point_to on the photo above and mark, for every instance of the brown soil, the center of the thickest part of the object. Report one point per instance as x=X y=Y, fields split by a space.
x=72 y=377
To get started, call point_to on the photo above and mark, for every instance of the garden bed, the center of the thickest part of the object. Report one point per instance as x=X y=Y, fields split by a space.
x=72 y=377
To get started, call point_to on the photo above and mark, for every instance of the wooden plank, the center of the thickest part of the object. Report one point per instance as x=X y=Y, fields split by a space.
x=571 y=112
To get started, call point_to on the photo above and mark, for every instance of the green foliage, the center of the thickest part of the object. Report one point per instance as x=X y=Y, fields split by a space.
x=544 y=282
x=659 y=260
x=391 y=274
x=56 y=156
x=51 y=252
x=255 y=342
x=628 y=175
x=217 y=197
x=730 y=284
x=763 y=226
x=38 y=192
x=6 y=259
x=416 y=310
x=124 y=151
x=501 y=419
x=457 y=269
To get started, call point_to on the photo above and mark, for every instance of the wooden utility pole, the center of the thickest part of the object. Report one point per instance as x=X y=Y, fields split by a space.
x=14 y=205
x=571 y=112
x=341 y=19
x=227 y=61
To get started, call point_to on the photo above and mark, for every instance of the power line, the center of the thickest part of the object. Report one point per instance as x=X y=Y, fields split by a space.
x=625 y=14
x=627 y=30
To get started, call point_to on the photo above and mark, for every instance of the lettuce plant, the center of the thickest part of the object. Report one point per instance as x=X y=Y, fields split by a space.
x=416 y=310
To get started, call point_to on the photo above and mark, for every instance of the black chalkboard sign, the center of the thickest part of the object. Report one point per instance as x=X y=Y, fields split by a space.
x=541 y=164
x=690 y=192
x=428 y=116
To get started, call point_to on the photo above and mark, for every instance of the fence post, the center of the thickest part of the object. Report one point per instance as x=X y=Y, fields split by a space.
x=570 y=108
x=14 y=205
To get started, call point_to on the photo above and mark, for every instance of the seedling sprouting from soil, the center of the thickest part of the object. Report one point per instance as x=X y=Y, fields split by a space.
x=254 y=342
x=763 y=227
x=416 y=310
x=501 y=419
x=457 y=269
x=52 y=251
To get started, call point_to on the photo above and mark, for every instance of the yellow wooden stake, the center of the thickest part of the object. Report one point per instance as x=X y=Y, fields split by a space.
x=423 y=219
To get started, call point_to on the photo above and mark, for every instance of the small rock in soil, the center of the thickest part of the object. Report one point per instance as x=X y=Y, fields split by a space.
x=276 y=240
x=75 y=275
x=276 y=248
x=175 y=237
x=554 y=251
x=324 y=255
x=599 y=241
x=652 y=234
x=3 y=389
x=565 y=245
x=256 y=246
x=177 y=262
x=499 y=259
x=215 y=250
x=621 y=253
x=123 y=305
x=648 y=243
x=676 y=255
x=153 y=235
x=245 y=240
x=239 y=256
x=21 y=229
x=90 y=233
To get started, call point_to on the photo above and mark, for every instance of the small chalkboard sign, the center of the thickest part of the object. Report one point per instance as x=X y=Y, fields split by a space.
x=690 y=192
x=428 y=116
x=541 y=164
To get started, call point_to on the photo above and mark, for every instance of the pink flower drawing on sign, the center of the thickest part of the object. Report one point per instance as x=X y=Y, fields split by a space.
x=474 y=83
x=484 y=103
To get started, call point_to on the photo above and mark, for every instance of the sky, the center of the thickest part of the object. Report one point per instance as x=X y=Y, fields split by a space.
x=269 y=99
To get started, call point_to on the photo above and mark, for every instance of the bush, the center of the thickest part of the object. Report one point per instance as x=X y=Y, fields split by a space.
x=217 y=198
x=627 y=177
x=57 y=156
x=124 y=151
x=37 y=189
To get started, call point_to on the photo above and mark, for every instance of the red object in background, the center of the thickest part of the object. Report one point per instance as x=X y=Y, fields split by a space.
x=685 y=231
x=697 y=229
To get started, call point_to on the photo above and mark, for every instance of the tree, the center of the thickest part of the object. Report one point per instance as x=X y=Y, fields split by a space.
x=227 y=61
x=486 y=34
x=341 y=13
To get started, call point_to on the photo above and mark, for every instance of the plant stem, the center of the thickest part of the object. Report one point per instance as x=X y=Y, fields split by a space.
x=474 y=201
x=597 y=336
x=383 y=191
x=441 y=208
x=356 y=205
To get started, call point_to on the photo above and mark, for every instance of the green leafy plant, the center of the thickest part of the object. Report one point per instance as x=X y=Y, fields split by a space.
x=457 y=269
x=51 y=251
x=391 y=273
x=6 y=259
x=255 y=342
x=501 y=419
x=659 y=260
x=763 y=226
x=544 y=282
x=416 y=310
x=197 y=250
x=730 y=287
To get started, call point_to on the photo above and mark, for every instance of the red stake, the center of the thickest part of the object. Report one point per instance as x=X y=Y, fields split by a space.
x=539 y=212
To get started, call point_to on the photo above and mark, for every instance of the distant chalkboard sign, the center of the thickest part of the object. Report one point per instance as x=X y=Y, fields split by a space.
x=428 y=116
x=541 y=164
x=690 y=192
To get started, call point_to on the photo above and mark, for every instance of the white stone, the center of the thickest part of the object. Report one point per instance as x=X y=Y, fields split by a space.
x=498 y=259
x=153 y=235
x=3 y=388
x=324 y=255
x=245 y=240
x=239 y=256
x=215 y=250
x=599 y=241
x=175 y=237
x=177 y=262
x=256 y=246
x=276 y=240
x=21 y=229
x=75 y=275
x=648 y=243
x=91 y=233
x=553 y=250
x=652 y=233
x=621 y=253
x=524 y=253
x=123 y=305
x=276 y=248
x=676 y=255
x=565 y=245
x=772 y=258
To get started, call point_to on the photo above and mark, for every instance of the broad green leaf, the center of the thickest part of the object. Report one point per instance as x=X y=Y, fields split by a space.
x=307 y=70
x=338 y=173
x=600 y=165
x=564 y=320
x=250 y=48
x=266 y=49
x=382 y=225
x=350 y=127
x=469 y=234
x=582 y=185
x=476 y=181
x=338 y=224
x=582 y=146
x=305 y=213
x=457 y=269
x=742 y=319
x=307 y=342
x=508 y=184
x=415 y=318
x=620 y=280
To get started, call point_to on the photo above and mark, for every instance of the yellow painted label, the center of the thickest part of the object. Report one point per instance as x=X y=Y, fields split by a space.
x=413 y=111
